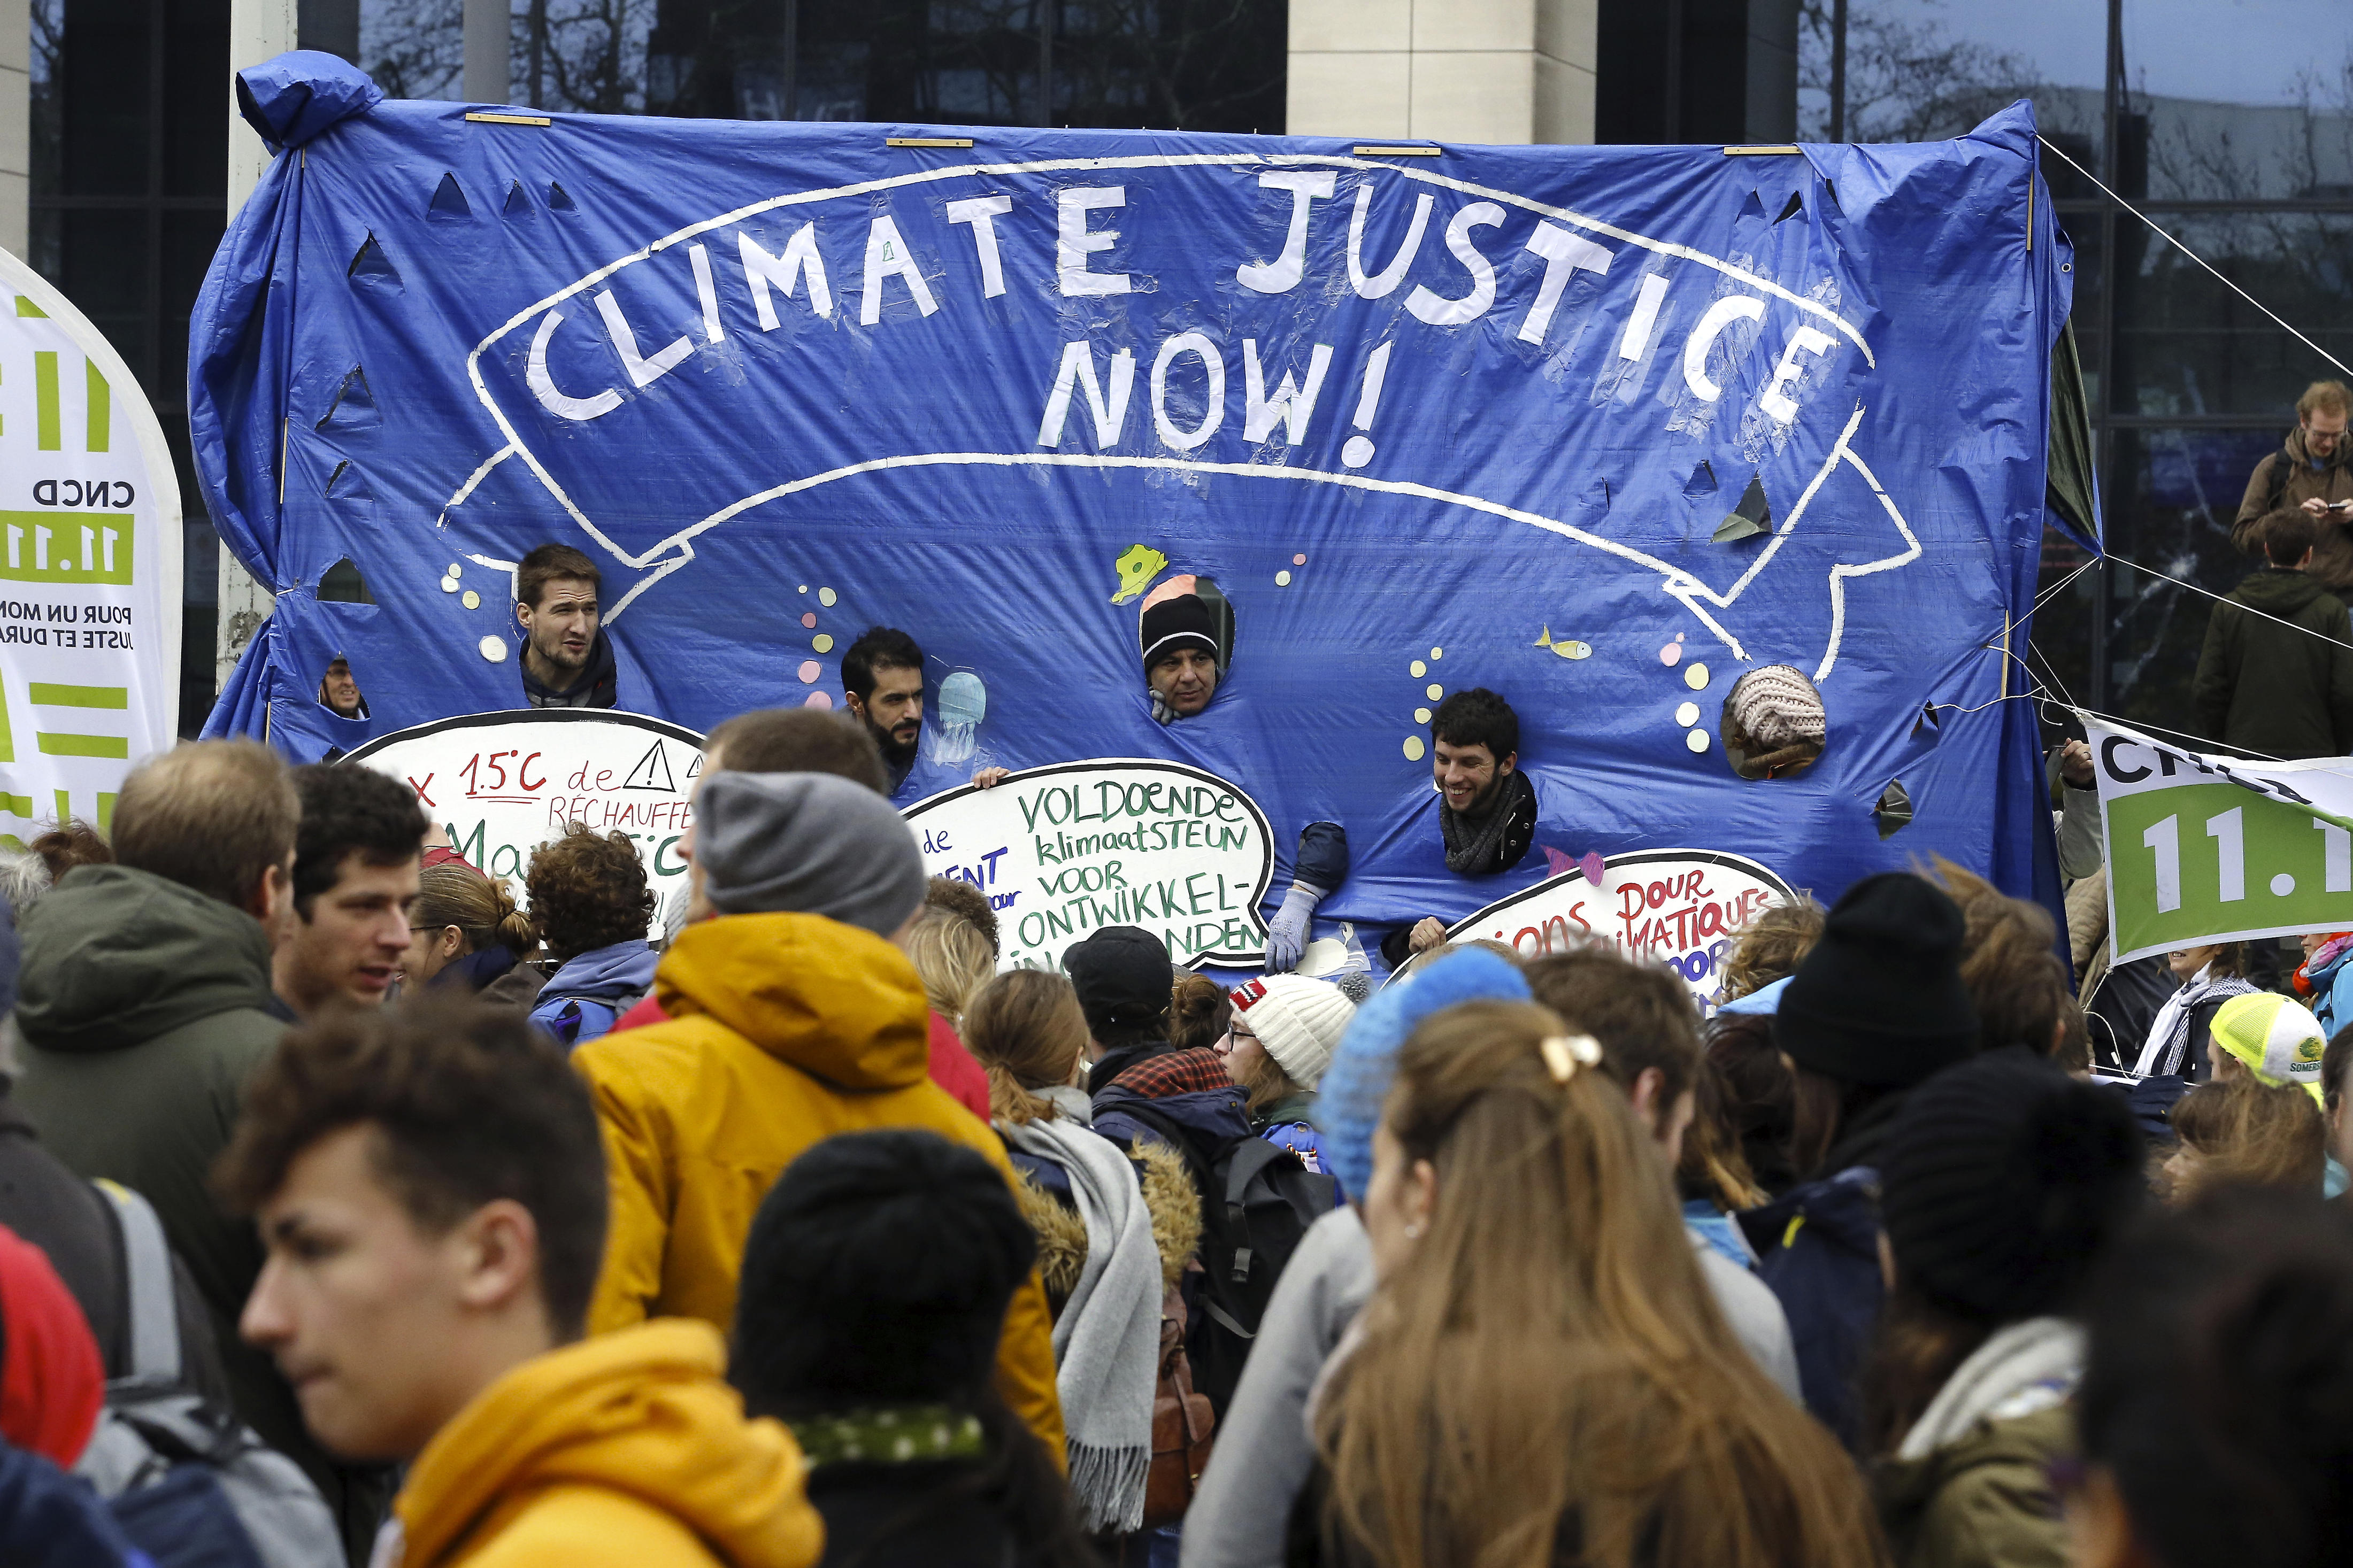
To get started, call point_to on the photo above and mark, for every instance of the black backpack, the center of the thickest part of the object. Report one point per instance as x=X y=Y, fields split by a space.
x=1257 y=1202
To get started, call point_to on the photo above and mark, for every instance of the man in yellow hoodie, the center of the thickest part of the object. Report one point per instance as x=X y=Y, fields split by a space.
x=431 y=1197
x=791 y=1018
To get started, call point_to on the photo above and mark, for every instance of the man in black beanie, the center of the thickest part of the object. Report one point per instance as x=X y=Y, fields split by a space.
x=1876 y=1007
x=1180 y=656
x=1123 y=981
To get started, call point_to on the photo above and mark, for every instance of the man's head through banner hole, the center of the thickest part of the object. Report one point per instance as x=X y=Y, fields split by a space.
x=556 y=601
x=1475 y=748
x=1774 y=725
x=882 y=678
x=1186 y=635
x=339 y=690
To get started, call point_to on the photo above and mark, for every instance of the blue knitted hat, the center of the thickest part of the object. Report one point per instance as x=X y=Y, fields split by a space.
x=1357 y=1082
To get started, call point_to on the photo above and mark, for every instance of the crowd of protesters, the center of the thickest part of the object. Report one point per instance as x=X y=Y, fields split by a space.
x=353 y=1214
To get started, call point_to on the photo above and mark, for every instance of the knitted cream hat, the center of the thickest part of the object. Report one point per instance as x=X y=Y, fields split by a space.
x=1777 y=706
x=1299 y=1021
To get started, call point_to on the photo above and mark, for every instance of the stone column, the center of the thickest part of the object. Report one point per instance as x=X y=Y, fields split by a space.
x=1444 y=70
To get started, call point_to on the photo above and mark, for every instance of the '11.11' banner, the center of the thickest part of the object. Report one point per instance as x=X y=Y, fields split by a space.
x=89 y=565
x=2203 y=850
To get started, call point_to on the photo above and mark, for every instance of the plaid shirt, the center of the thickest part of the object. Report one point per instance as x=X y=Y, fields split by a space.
x=1177 y=1072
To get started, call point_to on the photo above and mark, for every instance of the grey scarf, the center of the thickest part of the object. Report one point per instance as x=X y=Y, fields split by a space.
x=1107 y=1340
x=1473 y=841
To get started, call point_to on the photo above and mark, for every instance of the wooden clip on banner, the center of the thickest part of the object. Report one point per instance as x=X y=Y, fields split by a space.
x=488 y=119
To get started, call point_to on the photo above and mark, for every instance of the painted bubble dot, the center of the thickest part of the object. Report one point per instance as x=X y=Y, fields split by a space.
x=817 y=700
x=809 y=670
x=448 y=585
x=1435 y=691
x=472 y=600
x=2282 y=884
x=494 y=650
x=1413 y=748
x=826 y=596
x=1696 y=678
x=1421 y=715
x=822 y=642
x=1696 y=740
x=804 y=587
x=1282 y=579
x=1687 y=714
x=1438 y=653
x=1671 y=655
x=1298 y=560
x=456 y=570
x=1418 y=669
x=809 y=620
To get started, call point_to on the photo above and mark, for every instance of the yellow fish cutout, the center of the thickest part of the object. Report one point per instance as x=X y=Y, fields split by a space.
x=1567 y=650
x=1137 y=566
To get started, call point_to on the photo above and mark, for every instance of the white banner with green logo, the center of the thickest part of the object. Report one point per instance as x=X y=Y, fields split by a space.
x=2204 y=849
x=89 y=565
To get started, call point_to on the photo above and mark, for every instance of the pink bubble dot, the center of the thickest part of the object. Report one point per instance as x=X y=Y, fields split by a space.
x=809 y=671
x=809 y=619
x=817 y=700
x=1671 y=655
x=1299 y=561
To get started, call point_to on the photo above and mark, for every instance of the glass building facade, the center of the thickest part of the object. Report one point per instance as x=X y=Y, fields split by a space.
x=2228 y=123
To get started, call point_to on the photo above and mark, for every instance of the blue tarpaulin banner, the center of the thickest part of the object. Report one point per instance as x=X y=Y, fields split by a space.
x=1603 y=429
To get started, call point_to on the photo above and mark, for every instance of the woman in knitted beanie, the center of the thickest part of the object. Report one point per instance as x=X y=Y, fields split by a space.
x=1540 y=1312
x=2003 y=1182
x=875 y=1282
x=1282 y=1036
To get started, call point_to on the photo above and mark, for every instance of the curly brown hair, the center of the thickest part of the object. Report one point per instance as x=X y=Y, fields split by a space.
x=1200 y=1012
x=1771 y=946
x=587 y=890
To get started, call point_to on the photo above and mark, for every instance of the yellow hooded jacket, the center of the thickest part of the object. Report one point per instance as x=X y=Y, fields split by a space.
x=784 y=1030
x=624 y=1448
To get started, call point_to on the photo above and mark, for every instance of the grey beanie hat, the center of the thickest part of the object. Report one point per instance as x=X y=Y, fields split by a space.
x=805 y=843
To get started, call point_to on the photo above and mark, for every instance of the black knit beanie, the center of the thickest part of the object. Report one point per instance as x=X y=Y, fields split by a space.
x=877 y=1271
x=2002 y=1181
x=1879 y=1001
x=1176 y=623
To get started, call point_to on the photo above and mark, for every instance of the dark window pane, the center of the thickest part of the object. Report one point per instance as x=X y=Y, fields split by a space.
x=1919 y=71
x=196 y=104
x=2186 y=344
x=414 y=49
x=105 y=97
x=2174 y=495
x=712 y=60
x=102 y=268
x=2259 y=106
x=1174 y=65
x=46 y=119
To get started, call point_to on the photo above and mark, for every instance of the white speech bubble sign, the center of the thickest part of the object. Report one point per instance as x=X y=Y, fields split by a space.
x=1063 y=851
x=503 y=784
x=1675 y=907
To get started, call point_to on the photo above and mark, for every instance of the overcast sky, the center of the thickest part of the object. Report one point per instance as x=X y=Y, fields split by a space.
x=2232 y=51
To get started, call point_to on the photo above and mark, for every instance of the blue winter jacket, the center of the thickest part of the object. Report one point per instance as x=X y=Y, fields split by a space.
x=581 y=1000
x=2332 y=993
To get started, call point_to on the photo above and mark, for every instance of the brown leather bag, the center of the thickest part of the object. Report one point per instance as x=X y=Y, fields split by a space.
x=1182 y=1423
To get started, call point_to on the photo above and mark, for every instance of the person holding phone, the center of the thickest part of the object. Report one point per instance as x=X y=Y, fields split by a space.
x=2312 y=473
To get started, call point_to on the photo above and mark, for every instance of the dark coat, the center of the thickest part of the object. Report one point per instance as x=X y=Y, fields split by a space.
x=145 y=1006
x=66 y=1218
x=866 y=1509
x=1818 y=1250
x=2278 y=691
x=598 y=686
x=2290 y=473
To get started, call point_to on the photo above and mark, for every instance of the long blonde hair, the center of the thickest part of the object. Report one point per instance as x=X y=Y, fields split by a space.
x=953 y=958
x=1027 y=1031
x=1547 y=1377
